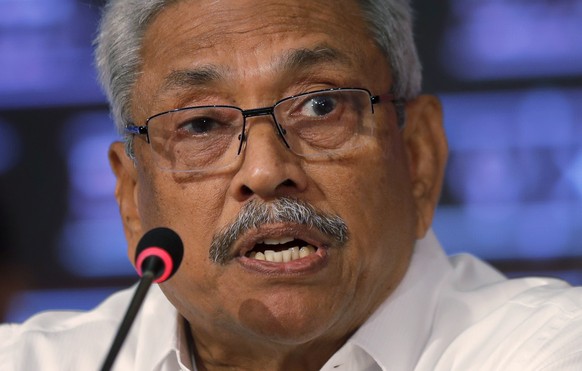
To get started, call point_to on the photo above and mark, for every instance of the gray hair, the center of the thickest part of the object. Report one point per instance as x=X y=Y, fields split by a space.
x=124 y=24
x=256 y=213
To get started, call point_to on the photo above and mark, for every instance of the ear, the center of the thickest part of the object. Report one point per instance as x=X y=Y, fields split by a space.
x=126 y=189
x=426 y=146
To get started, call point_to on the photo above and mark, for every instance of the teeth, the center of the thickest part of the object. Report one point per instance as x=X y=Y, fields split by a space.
x=294 y=253
x=284 y=256
x=277 y=241
x=259 y=256
x=306 y=250
x=278 y=257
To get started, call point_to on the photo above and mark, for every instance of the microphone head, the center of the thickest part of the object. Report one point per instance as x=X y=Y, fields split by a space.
x=164 y=245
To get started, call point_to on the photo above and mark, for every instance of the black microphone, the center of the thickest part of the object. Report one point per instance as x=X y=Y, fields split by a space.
x=157 y=257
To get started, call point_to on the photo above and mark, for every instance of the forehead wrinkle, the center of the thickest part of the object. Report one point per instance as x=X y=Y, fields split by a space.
x=291 y=61
x=304 y=58
x=195 y=77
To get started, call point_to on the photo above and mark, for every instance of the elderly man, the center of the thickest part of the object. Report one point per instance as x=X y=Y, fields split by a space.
x=287 y=144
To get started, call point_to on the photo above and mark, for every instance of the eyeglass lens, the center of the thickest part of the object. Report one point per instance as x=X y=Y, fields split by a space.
x=206 y=138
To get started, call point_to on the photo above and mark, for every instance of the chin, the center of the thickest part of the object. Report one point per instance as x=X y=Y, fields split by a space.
x=285 y=322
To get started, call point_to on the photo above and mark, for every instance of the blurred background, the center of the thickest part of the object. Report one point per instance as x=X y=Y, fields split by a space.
x=509 y=73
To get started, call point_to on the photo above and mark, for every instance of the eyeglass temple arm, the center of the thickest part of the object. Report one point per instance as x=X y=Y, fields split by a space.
x=133 y=129
x=399 y=104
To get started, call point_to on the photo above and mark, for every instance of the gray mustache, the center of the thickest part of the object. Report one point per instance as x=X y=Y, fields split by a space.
x=283 y=210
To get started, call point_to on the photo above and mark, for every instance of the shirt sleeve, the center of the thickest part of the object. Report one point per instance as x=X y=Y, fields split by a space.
x=570 y=362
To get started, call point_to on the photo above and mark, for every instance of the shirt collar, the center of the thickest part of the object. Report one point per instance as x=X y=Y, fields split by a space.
x=395 y=335
x=158 y=320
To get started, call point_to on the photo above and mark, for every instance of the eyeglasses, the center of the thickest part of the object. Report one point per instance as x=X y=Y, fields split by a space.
x=314 y=124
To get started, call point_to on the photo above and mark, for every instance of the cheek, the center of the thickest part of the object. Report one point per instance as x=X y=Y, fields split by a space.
x=388 y=193
x=193 y=209
x=372 y=190
x=373 y=195
x=379 y=204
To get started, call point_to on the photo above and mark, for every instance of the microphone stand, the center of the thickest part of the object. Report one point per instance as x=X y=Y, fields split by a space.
x=150 y=272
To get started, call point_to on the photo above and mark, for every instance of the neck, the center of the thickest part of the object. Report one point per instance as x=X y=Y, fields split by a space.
x=221 y=353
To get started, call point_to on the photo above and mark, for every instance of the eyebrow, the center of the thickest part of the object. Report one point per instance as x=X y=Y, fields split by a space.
x=294 y=60
x=300 y=59
x=200 y=76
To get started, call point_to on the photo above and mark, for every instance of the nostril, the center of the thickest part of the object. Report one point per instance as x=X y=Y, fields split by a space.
x=246 y=191
x=288 y=183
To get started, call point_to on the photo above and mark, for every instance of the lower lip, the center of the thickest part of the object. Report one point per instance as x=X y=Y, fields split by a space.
x=307 y=265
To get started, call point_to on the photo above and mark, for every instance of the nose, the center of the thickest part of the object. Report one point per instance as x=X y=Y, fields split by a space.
x=269 y=169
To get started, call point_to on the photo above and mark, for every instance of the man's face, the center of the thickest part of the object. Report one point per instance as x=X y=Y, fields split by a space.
x=248 y=47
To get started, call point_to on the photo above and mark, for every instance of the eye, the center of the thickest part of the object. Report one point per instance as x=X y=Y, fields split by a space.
x=200 y=125
x=320 y=105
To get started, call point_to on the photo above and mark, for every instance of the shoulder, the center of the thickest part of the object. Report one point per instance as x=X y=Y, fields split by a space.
x=524 y=324
x=51 y=339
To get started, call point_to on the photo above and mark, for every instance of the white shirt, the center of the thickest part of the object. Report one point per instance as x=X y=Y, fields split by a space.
x=447 y=314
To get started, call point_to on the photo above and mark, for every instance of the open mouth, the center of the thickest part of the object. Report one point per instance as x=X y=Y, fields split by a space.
x=281 y=250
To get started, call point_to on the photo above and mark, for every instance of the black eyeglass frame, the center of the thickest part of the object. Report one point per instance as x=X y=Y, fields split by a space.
x=399 y=104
